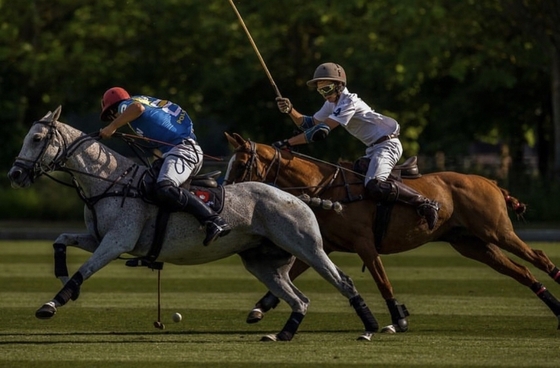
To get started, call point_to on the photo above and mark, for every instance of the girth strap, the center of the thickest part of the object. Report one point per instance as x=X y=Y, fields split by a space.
x=157 y=243
x=381 y=223
x=149 y=260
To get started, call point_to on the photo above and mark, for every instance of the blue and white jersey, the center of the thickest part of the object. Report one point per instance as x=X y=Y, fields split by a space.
x=162 y=121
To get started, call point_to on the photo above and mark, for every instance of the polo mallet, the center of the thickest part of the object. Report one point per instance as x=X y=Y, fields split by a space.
x=256 y=50
x=158 y=323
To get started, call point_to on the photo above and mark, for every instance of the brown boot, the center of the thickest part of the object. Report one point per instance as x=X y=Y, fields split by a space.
x=396 y=191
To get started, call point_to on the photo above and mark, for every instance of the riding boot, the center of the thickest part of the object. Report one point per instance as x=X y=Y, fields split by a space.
x=216 y=226
x=393 y=191
x=174 y=199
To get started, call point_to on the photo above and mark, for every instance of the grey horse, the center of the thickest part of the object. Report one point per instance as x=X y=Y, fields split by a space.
x=269 y=226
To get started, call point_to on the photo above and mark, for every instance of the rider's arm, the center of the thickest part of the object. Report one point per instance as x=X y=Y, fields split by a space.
x=303 y=139
x=132 y=112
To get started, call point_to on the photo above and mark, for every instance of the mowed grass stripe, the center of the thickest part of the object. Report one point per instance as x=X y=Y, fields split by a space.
x=327 y=302
x=117 y=270
x=437 y=288
x=427 y=256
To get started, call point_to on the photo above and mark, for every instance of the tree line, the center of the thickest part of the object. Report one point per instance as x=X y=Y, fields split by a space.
x=451 y=72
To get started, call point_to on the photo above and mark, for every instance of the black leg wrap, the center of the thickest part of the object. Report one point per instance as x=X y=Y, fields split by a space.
x=555 y=274
x=60 y=268
x=398 y=314
x=268 y=302
x=548 y=299
x=363 y=311
x=68 y=290
x=290 y=328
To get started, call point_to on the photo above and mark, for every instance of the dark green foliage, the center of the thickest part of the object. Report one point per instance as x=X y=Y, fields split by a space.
x=450 y=72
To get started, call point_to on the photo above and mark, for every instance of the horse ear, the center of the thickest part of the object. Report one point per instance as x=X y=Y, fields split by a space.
x=239 y=139
x=231 y=140
x=235 y=141
x=56 y=114
x=47 y=116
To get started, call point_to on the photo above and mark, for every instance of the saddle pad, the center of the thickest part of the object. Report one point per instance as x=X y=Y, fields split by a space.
x=213 y=197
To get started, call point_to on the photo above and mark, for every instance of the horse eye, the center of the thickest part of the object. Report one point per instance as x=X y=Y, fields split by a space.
x=37 y=137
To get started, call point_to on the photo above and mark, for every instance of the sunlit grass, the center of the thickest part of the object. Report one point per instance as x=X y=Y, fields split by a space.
x=463 y=314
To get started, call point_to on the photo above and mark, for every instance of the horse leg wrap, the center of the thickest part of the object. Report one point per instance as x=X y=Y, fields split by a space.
x=267 y=302
x=555 y=274
x=290 y=327
x=398 y=314
x=71 y=287
x=363 y=311
x=548 y=299
x=60 y=268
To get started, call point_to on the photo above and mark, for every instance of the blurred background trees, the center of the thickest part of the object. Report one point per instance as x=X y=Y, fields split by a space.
x=457 y=75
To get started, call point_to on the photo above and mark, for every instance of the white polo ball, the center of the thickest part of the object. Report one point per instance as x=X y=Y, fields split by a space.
x=177 y=317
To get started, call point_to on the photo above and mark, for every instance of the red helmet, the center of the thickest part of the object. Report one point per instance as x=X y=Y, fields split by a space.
x=111 y=97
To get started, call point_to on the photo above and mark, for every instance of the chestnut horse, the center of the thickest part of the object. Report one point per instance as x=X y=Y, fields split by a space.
x=473 y=218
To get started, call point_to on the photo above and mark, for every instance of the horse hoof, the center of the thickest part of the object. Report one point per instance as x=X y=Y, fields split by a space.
x=48 y=310
x=391 y=329
x=256 y=315
x=366 y=336
x=271 y=337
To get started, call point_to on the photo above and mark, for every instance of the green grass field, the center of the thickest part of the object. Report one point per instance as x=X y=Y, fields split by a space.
x=463 y=314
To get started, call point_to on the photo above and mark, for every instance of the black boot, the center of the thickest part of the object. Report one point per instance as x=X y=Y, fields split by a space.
x=392 y=191
x=215 y=225
x=178 y=199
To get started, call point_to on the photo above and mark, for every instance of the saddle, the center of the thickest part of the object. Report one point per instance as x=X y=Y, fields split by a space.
x=204 y=186
x=407 y=170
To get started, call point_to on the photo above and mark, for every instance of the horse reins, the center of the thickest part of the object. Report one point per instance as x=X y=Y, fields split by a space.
x=252 y=164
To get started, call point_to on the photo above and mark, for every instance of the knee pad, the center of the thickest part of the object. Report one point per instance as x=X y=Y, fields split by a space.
x=171 y=197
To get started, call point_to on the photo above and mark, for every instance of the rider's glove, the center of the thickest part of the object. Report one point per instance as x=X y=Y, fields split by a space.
x=282 y=144
x=284 y=105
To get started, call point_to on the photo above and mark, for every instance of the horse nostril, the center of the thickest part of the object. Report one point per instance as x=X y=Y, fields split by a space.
x=14 y=174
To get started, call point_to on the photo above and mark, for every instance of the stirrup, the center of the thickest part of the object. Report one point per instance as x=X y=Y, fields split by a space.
x=215 y=229
x=429 y=211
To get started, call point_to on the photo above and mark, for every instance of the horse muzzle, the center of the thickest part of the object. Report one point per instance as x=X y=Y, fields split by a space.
x=19 y=177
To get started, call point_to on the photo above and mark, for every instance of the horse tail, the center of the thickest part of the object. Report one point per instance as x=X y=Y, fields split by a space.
x=325 y=204
x=513 y=203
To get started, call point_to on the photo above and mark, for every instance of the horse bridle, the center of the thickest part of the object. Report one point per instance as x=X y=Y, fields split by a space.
x=37 y=167
x=252 y=163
